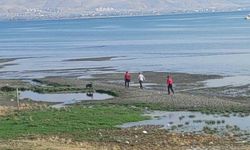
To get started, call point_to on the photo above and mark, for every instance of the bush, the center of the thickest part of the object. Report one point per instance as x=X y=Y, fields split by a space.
x=7 y=89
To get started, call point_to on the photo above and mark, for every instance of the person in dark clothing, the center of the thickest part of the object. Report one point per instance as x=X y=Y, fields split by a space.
x=170 y=82
x=127 y=78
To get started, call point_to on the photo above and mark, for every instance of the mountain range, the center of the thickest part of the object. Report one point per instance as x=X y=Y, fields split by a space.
x=67 y=8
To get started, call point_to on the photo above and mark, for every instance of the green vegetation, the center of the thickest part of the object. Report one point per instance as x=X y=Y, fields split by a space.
x=180 y=125
x=169 y=107
x=112 y=93
x=50 y=83
x=218 y=122
x=76 y=122
x=7 y=89
x=232 y=128
x=197 y=121
x=181 y=117
x=209 y=130
x=174 y=127
x=191 y=116
x=210 y=122
x=56 y=89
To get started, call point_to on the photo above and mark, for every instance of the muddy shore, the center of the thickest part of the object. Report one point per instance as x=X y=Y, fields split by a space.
x=153 y=96
x=93 y=59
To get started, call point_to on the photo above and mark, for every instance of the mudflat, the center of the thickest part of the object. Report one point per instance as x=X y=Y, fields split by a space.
x=92 y=59
x=152 y=97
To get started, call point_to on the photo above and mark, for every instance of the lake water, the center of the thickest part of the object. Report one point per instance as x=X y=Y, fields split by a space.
x=212 y=43
x=184 y=121
x=62 y=98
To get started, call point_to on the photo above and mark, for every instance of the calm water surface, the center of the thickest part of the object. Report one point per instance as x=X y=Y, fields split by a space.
x=193 y=121
x=215 y=43
x=65 y=98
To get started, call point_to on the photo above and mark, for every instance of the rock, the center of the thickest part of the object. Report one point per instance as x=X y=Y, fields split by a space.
x=145 y=132
x=100 y=133
x=182 y=144
x=211 y=143
x=231 y=135
x=69 y=141
x=119 y=141
x=241 y=142
x=133 y=107
x=127 y=142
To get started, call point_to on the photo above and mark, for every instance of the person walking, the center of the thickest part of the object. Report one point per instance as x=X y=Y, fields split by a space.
x=141 y=78
x=170 y=82
x=127 y=78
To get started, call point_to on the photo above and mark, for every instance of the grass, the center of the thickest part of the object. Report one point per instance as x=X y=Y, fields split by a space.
x=205 y=110
x=50 y=83
x=210 y=122
x=112 y=93
x=209 y=130
x=77 y=122
x=56 y=89
x=191 y=116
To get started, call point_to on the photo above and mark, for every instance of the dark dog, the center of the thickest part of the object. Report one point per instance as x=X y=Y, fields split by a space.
x=89 y=85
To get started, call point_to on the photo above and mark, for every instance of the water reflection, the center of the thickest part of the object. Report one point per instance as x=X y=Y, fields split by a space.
x=194 y=121
x=65 y=98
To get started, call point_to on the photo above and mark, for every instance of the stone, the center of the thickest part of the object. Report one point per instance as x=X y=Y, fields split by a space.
x=145 y=132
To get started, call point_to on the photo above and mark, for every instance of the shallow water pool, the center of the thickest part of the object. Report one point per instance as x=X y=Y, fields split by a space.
x=228 y=81
x=185 y=121
x=64 y=98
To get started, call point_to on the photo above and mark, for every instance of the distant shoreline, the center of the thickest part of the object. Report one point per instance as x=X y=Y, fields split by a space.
x=121 y=16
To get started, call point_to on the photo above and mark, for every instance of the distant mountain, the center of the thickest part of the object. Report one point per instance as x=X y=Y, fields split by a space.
x=81 y=8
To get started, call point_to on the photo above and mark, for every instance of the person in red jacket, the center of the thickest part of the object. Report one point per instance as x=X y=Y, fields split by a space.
x=127 y=78
x=170 y=82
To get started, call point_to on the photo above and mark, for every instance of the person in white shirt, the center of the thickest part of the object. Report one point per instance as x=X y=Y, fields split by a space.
x=141 y=78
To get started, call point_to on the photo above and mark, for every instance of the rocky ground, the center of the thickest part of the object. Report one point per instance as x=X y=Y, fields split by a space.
x=132 y=139
x=153 y=96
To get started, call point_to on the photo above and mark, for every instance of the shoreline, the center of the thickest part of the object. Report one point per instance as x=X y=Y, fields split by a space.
x=134 y=99
x=92 y=71
x=188 y=85
x=193 y=84
x=123 y=16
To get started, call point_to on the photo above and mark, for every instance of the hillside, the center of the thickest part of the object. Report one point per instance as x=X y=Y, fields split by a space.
x=81 y=8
